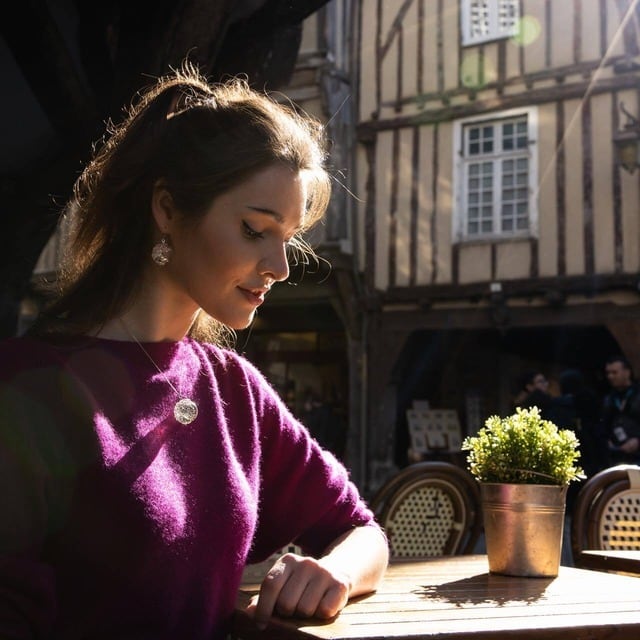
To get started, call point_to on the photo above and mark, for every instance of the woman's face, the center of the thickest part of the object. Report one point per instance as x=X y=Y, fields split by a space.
x=227 y=263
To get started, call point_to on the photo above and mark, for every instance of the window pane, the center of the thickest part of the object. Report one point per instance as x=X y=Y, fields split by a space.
x=479 y=192
x=505 y=147
x=480 y=139
x=490 y=19
x=478 y=18
x=514 y=135
x=508 y=11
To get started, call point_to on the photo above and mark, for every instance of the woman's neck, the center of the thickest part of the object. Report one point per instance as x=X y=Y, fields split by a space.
x=147 y=325
x=160 y=313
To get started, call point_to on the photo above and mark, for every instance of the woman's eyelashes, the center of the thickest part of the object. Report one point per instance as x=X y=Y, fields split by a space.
x=250 y=232
x=253 y=234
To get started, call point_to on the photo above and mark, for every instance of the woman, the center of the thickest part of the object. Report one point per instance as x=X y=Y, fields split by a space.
x=143 y=463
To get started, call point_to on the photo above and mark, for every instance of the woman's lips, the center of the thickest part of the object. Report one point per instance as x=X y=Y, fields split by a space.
x=255 y=297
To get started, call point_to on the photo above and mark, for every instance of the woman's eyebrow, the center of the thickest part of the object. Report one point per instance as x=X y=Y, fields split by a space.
x=269 y=212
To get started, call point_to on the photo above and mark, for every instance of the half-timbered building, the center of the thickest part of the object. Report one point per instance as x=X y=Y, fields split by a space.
x=498 y=230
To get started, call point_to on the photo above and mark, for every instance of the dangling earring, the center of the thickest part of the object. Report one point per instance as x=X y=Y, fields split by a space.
x=161 y=252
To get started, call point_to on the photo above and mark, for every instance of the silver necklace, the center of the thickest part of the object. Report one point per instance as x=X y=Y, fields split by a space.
x=185 y=410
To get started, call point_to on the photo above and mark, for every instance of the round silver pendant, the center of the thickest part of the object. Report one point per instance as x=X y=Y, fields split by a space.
x=185 y=411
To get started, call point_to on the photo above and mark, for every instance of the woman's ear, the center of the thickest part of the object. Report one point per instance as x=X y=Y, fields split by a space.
x=162 y=207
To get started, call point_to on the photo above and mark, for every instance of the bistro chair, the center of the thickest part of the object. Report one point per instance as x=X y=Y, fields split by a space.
x=429 y=509
x=606 y=517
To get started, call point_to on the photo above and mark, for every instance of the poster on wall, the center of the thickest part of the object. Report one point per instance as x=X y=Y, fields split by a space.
x=434 y=430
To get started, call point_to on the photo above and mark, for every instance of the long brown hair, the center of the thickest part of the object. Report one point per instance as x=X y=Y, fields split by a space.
x=200 y=140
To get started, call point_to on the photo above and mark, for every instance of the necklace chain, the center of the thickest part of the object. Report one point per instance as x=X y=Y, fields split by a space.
x=185 y=410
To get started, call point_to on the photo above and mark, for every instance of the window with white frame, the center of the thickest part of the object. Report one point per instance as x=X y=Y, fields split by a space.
x=496 y=175
x=485 y=20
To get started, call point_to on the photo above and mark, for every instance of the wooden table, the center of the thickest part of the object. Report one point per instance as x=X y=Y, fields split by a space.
x=456 y=598
x=611 y=560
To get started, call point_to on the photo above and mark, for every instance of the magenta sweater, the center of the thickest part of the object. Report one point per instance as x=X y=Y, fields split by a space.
x=117 y=521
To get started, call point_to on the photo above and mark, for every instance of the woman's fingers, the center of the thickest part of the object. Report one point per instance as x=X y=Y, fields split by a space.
x=300 y=586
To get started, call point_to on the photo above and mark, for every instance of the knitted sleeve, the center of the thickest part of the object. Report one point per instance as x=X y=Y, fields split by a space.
x=305 y=493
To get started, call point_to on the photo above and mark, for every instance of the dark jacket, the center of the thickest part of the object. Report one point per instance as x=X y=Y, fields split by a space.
x=580 y=412
x=621 y=421
x=540 y=399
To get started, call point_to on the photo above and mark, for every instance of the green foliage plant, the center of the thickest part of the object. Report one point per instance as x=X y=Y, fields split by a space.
x=523 y=449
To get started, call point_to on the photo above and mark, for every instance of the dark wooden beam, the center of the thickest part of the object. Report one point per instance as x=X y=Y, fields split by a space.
x=527 y=287
x=535 y=96
x=587 y=314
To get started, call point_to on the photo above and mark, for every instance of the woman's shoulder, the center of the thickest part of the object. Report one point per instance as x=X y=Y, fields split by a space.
x=32 y=367
x=26 y=352
x=9 y=345
x=21 y=351
x=229 y=359
x=234 y=370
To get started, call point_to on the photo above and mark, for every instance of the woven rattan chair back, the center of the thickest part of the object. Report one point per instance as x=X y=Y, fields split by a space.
x=429 y=509
x=606 y=514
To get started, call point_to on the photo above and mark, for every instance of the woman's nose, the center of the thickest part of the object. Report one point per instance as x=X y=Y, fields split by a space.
x=275 y=264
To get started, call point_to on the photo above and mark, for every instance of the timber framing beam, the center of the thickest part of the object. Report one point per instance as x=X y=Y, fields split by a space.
x=588 y=285
x=587 y=314
x=578 y=90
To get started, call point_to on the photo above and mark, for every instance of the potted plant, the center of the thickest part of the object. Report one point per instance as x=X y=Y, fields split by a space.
x=524 y=465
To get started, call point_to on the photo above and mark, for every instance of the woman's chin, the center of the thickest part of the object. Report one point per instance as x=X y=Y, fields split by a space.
x=239 y=324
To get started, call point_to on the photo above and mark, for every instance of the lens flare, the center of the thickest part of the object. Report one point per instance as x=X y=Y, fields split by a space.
x=529 y=30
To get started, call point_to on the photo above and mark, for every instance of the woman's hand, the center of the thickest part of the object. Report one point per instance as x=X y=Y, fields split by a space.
x=303 y=587
x=307 y=587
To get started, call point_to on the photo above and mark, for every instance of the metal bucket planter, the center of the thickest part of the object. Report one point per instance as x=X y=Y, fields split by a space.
x=523 y=528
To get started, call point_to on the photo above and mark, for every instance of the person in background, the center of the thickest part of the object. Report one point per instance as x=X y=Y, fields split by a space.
x=143 y=461
x=533 y=391
x=621 y=412
x=578 y=408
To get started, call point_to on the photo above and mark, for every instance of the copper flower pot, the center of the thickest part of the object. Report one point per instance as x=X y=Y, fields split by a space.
x=523 y=527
